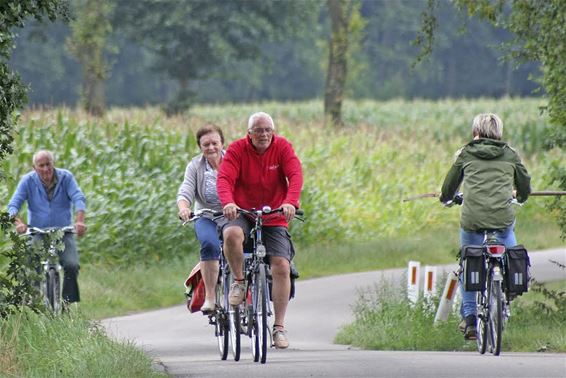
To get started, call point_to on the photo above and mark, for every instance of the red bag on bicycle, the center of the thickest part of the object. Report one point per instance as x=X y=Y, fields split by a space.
x=194 y=289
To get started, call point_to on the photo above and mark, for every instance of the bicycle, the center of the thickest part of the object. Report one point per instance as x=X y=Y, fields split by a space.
x=486 y=270
x=223 y=318
x=51 y=286
x=492 y=303
x=254 y=312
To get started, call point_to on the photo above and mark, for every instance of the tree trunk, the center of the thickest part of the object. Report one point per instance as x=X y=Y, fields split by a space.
x=340 y=12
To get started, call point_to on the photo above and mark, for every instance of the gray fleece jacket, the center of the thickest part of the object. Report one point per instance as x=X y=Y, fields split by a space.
x=193 y=186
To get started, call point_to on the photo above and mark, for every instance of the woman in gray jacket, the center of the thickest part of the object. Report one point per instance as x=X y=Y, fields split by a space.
x=198 y=190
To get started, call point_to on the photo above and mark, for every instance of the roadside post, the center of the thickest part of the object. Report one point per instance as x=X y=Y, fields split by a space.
x=447 y=299
x=413 y=286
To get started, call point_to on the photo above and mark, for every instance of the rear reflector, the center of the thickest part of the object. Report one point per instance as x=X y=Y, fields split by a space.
x=496 y=249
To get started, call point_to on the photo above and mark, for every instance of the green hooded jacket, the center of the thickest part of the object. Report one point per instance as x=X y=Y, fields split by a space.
x=489 y=170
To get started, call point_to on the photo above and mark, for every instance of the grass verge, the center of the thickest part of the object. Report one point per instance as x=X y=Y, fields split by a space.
x=385 y=320
x=35 y=345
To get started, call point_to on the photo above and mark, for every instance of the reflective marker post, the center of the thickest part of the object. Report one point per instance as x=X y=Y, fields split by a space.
x=429 y=290
x=413 y=286
x=447 y=299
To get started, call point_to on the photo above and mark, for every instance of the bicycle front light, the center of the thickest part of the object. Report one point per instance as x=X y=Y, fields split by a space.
x=260 y=251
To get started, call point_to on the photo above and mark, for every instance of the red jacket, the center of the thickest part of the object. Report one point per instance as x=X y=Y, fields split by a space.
x=253 y=180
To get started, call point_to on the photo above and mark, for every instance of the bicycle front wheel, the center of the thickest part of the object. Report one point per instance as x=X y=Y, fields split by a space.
x=261 y=328
x=221 y=324
x=234 y=321
x=495 y=316
x=53 y=291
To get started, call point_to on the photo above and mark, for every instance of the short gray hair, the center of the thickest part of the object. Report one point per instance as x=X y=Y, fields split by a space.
x=40 y=153
x=487 y=125
x=257 y=116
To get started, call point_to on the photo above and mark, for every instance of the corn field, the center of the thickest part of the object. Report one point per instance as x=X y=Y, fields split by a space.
x=130 y=163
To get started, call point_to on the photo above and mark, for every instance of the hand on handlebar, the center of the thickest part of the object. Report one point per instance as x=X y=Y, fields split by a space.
x=230 y=211
x=288 y=211
x=80 y=228
x=185 y=214
x=21 y=227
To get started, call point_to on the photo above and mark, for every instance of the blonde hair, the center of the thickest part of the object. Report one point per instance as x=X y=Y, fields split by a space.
x=487 y=125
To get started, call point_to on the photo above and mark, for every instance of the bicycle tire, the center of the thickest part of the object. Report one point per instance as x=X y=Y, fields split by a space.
x=496 y=317
x=221 y=325
x=53 y=290
x=260 y=328
x=481 y=321
x=234 y=321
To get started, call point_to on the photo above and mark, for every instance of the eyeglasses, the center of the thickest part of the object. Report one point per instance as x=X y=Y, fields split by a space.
x=260 y=130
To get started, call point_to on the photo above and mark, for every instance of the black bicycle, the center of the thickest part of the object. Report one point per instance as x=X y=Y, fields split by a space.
x=488 y=272
x=223 y=318
x=497 y=274
x=254 y=312
x=51 y=285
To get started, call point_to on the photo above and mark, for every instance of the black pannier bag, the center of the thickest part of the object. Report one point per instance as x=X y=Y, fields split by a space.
x=517 y=265
x=473 y=265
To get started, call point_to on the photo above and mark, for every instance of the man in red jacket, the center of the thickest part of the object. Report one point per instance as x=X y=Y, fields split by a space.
x=259 y=170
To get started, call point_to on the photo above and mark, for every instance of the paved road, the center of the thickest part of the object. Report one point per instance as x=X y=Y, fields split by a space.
x=182 y=343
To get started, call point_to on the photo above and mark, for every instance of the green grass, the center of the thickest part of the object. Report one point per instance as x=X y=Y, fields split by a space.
x=130 y=163
x=384 y=320
x=33 y=345
x=114 y=290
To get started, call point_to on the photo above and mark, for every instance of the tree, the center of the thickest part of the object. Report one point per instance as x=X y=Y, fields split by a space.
x=89 y=45
x=340 y=12
x=540 y=33
x=192 y=39
x=13 y=14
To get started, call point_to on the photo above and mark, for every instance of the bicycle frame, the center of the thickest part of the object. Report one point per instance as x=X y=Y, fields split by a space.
x=492 y=303
x=223 y=316
x=257 y=309
x=51 y=286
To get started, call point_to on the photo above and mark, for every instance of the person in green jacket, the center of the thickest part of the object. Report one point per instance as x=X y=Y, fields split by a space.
x=491 y=174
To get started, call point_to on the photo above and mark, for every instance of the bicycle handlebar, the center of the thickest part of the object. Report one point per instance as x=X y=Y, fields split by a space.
x=255 y=213
x=268 y=210
x=459 y=199
x=49 y=230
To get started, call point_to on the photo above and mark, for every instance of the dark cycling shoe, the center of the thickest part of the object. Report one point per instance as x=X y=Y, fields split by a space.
x=470 y=330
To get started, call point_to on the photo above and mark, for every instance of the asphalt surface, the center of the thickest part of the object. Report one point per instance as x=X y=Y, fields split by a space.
x=182 y=344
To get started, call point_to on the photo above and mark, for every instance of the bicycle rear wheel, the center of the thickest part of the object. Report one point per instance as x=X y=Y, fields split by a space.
x=495 y=317
x=260 y=328
x=481 y=321
x=221 y=325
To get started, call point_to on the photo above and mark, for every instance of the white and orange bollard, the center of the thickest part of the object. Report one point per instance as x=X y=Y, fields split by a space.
x=429 y=290
x=413 y=283
x=448 y=297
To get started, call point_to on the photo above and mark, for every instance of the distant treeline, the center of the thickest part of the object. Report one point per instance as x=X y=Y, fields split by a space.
x=381 y=55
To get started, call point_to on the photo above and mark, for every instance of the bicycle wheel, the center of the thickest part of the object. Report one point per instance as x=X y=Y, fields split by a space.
x=221 y=325
x=495 y=317
x=261 y=329
x=481 y=322
x=233 y=321
x=53 y=291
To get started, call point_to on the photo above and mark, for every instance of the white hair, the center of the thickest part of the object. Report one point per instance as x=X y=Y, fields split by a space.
x=257 y=116
x=41 y=153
